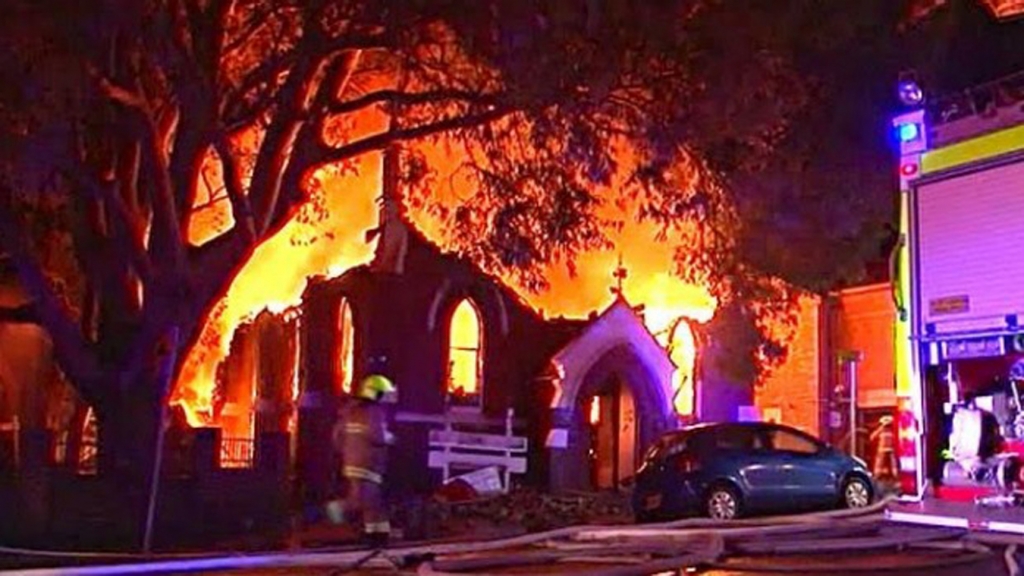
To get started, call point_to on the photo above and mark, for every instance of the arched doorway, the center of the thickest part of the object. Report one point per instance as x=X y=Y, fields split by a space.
x=613 y=439
x=617 y=358
x=632 y=409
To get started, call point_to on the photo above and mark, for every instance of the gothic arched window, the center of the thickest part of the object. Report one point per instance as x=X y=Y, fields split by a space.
x=682 y=349
x=346 y=346
x=465 y=356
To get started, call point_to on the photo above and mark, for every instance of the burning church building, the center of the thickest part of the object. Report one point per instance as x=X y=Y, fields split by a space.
x=486 y=381
x=575 y=401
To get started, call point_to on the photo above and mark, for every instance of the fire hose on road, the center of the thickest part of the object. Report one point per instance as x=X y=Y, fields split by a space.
x=615 y=550
x=699 y=543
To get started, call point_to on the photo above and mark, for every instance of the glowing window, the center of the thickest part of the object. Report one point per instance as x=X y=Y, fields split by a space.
x=346 y=346
x=465 y=357
x=683 y=350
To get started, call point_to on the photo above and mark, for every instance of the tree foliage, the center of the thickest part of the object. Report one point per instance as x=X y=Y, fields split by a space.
x=121 y=105
x=114 y=111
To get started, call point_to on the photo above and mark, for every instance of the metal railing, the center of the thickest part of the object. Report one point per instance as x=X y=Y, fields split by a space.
x=977 y=100
x=237 y=452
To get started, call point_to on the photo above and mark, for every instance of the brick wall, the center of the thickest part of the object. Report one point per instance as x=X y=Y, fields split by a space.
x=790 y=393
x=861 y=320
x=864 y=322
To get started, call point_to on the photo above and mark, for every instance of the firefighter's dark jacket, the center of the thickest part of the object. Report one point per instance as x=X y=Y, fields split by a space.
x=361 y=437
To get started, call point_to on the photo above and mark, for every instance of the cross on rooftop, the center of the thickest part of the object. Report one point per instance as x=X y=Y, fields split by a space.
x=620 y=275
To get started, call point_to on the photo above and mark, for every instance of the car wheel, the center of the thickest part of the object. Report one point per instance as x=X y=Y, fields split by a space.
x=856 y=492
x=722 y=503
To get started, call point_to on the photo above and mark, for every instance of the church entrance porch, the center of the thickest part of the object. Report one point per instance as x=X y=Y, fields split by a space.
x=613 y=442
x=613 y=398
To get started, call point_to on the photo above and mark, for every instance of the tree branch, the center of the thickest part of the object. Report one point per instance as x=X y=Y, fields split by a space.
x=75 y=354
x=191 y=141
x=240 y=206
x=134 y=231
x=410 y=99
x=220 y=11
x=242 y=37
x=128 y=165
x=89 y=243
x=179 y=24
x=327 y=154
x=193 y=77
x=165 y=211
x=104 y=258
x=233 y=107
x=120 y=95
x=292 y=103
x=217 y=261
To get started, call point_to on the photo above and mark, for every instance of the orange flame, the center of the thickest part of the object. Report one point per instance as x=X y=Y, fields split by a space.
x=275 y=276
x=332 y=241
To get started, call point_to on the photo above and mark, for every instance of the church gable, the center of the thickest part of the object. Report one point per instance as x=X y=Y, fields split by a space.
x=618 y=326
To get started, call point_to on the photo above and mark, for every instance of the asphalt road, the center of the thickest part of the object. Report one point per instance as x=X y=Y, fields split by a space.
x=831 y=564
x=911 y=560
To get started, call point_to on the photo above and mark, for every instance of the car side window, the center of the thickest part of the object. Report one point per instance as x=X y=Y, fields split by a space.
x=701 y=443
x=674 y=449
x=792 y=442
x=734 y=438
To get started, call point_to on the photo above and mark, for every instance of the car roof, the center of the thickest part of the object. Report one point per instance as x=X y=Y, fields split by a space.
x=710 y=425
x=704 y=426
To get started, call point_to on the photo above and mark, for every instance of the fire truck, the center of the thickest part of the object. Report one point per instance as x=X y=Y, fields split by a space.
x=958 y=288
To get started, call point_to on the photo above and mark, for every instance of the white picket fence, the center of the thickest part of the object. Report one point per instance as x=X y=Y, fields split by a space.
x=460 y=446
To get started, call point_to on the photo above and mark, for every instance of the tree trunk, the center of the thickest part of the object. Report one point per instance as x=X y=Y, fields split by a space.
x=130 y=416
x=128 y=422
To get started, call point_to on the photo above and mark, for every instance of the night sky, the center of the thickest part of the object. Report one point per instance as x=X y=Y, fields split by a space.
x=957 y=46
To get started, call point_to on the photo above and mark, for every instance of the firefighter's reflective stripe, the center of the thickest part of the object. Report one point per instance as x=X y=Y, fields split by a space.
x=362 y=474
x=377 y=527
x=356 y=428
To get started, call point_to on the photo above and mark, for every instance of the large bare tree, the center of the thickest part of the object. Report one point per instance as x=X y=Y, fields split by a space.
x=113 y=108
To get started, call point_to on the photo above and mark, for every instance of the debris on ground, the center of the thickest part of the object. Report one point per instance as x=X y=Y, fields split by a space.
x=451 y=514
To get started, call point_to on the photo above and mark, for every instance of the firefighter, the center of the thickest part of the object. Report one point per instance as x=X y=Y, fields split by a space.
x=361 y=436
x=885 y=448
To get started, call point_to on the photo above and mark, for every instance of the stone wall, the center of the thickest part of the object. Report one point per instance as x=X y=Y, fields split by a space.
x=51 y=507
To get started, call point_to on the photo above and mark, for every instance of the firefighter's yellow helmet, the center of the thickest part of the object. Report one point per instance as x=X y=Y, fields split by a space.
x=375 y=387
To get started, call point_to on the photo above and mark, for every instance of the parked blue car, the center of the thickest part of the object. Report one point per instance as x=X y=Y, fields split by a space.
x=731 y=469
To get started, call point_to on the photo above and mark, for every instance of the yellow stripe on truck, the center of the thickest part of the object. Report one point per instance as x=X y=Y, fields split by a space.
x=973 y=150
